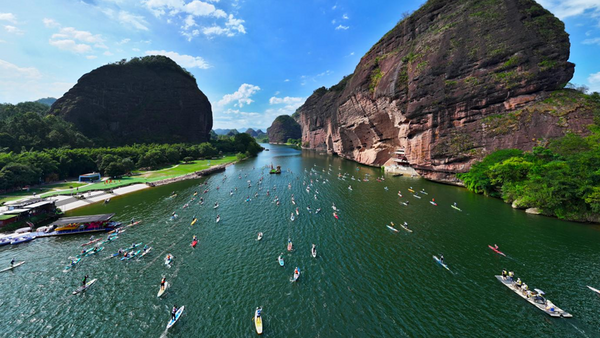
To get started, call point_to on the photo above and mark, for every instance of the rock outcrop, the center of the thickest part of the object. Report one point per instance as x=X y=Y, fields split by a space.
x=283 y=128
x=144 y=100
x=449 y=84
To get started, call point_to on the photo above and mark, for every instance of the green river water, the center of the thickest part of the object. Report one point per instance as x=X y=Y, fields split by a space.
x=367 y=281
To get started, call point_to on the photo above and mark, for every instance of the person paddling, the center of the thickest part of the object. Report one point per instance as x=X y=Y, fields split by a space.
x=12 y=262
x=84 y=280
x=174 y=312
x=441 y=258
x=162 y=283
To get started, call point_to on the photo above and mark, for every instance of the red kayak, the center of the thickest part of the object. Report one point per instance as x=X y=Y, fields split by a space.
x=335 y=215
x=496 y=250
x=194 y=244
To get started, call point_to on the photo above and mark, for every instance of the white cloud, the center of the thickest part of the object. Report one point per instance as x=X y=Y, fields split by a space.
x=71 y=45
x=2 y=41
x=73 y=40
x=188 y=13
x=241 y=97
x=334 y=7
x=50 y=23
x=286 y=100
x=199 y=8
x=594 y=41
x=333 y=22
x=83 y=36
x=189 y=22
x=136 y=21
x=13 y=30
x=108 y=53
x=341 y=27
x=91 y=57
x=325 y=73
x=594 y=82
x=286 y=80
x=10 y=17
x=186 y=61
x=345 y=17
x=565 y=9
x=9 y=70
x=135 y=49
x=124 y=41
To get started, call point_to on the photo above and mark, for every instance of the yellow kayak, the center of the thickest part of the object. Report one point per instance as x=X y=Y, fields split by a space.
x=258 y=321
x=194 y=221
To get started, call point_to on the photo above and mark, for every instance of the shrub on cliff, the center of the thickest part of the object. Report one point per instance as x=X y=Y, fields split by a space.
x=561 y=178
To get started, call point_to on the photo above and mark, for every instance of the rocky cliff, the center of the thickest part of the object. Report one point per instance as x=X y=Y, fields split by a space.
x=449 y=84
x=149 y=99
x=283 y=128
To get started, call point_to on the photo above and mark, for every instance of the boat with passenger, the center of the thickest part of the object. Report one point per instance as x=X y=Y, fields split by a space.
x=535 y=297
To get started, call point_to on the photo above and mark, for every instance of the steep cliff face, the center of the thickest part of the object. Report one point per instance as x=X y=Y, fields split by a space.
x=456 y=80
x=283 y=128
x=149 y=99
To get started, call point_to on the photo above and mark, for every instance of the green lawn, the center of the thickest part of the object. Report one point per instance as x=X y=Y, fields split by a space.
x=183 y=169
x=141 y=177
x=150 y=176
x=39 y=190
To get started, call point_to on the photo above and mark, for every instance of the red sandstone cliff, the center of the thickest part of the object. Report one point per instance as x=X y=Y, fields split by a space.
x=451 y=83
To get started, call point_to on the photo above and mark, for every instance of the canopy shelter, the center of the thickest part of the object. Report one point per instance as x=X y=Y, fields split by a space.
x=82 y=219
x=91 y=177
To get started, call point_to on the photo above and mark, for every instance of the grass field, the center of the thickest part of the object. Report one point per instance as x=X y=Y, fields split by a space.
x=39 y=190
x=140 y=177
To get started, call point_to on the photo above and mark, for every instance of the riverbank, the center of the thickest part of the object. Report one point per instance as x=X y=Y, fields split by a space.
x=67 y=203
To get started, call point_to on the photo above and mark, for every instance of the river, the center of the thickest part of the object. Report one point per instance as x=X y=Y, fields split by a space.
x=367 y=281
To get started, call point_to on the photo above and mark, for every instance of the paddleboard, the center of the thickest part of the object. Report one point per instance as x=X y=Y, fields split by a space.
x=433 y=203
x=296 y=276
x=595 y=290
x=194 y=244
x=168 y=261
x=258 y=323
x=281 y=262
x=392 y=228
x=314 y=253
x=440 y=263
x=162 y=291
x=194 y=221
x=405 y=228
x=145 y=252
x=85 y=287
x=289 y=246
x=12 y=267
x=455 y=207
x=177 y=315
x=260 y=236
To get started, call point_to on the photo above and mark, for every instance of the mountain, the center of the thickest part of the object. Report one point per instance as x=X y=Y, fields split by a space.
x=144 y=100
x=251 y=132
x=47 y=101
x=283 y=128
x=449 y=84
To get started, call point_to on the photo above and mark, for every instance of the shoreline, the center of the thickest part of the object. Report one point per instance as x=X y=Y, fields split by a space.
x=68 y=203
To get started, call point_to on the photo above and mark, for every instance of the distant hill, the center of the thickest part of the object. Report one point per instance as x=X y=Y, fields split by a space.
x=223 y=131
x=47 y=101
x=283 y=128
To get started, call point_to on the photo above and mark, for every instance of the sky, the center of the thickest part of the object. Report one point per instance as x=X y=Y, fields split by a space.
x=254 y=60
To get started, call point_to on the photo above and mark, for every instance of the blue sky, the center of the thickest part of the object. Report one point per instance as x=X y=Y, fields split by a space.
x=253 y=59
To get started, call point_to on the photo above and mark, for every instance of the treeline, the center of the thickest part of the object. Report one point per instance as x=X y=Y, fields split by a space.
x=33 y=167
x=560 y=178
x=27 y=126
